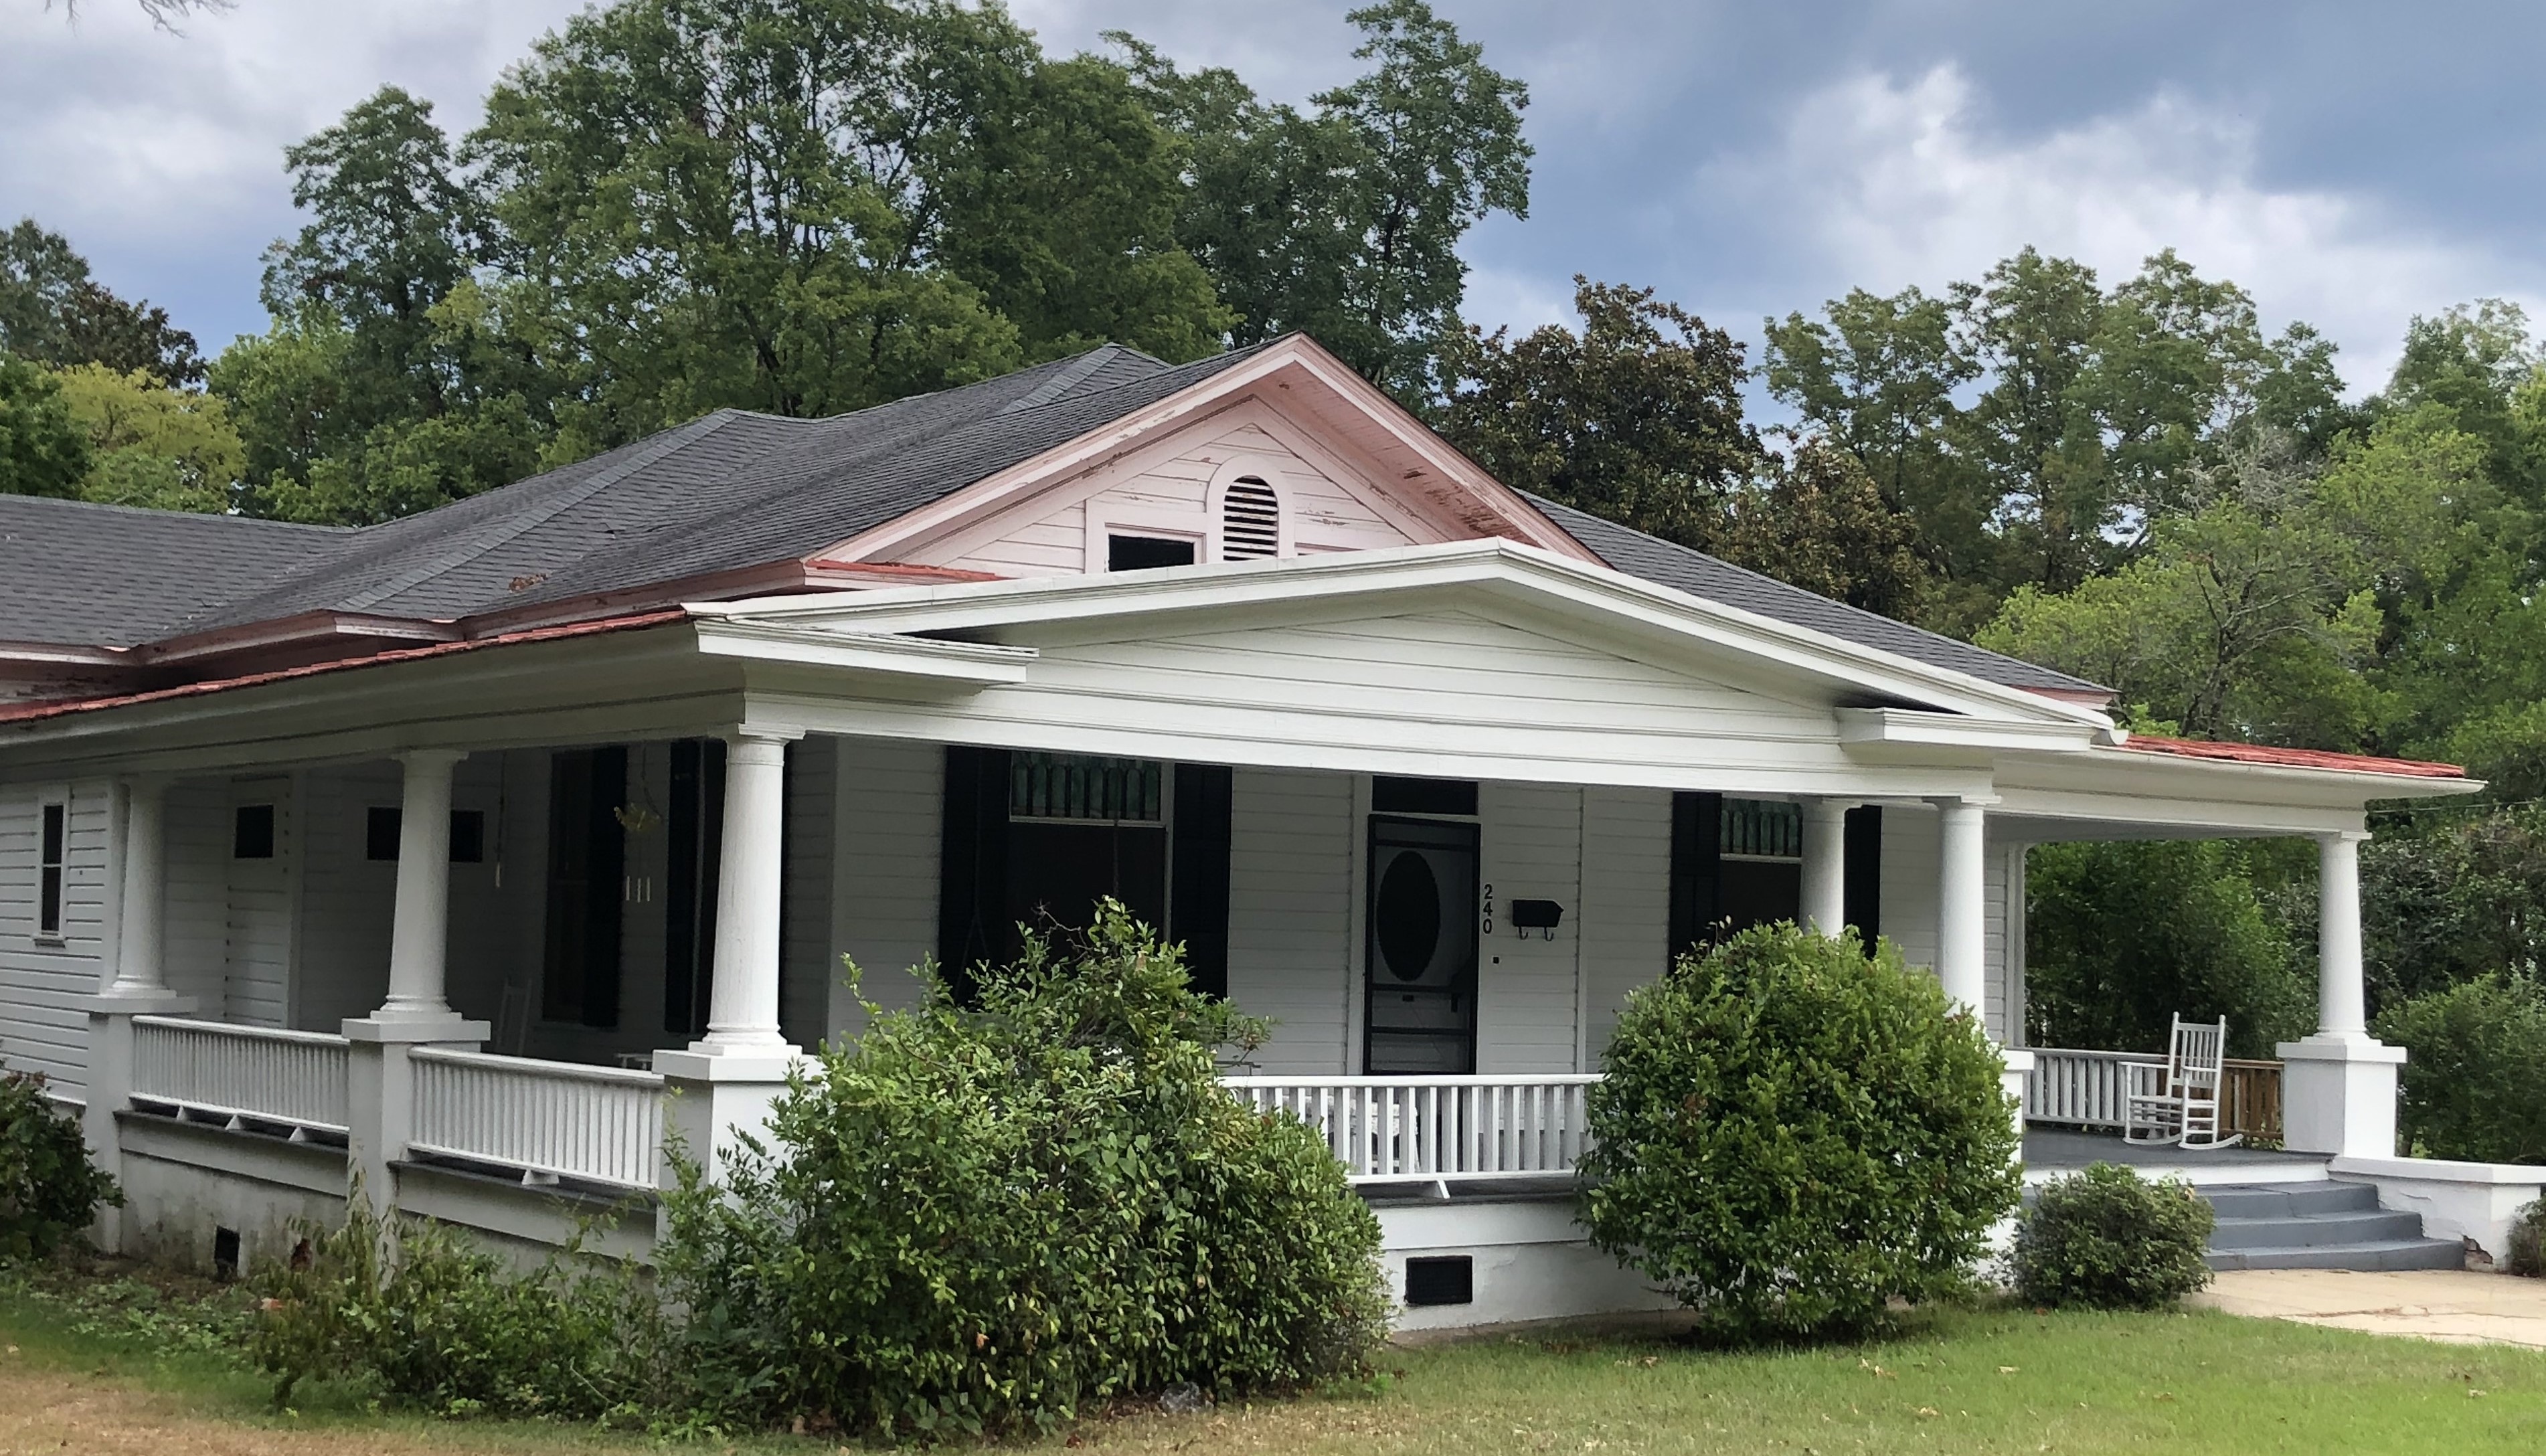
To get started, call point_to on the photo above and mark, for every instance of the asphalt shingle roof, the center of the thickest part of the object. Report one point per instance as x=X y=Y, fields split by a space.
x=726 y=491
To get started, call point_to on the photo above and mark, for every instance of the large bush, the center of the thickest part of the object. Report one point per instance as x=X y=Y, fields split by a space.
x=49 y=1189
x=976 y=1220
x=2108 y=1239
x=425 y=1317
x=1792 y=1134
x=2475 y=1082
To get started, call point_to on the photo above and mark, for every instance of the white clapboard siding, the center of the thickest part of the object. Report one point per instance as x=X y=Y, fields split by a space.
x=808 y=967
x=346 y=899
x=888 y=796
x=1528 y=987
x=1051 y=540
x=1290 y=915
x=43 y=1026
x=197 y=824
x=1910 y=855
x=1625 y=914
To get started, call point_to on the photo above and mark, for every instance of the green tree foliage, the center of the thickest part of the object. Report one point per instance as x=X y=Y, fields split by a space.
x=2452 y=900
x=1344 y=222
x=1814 y=517
x=2105 y=1238
x=1637 y=418
x=1792 y=1133
x=42 y=449
x=977 y=1220
x=49 y=1188
x=2474 y=1085
x=172 y=449
x=2120 y=936
x=53 y=312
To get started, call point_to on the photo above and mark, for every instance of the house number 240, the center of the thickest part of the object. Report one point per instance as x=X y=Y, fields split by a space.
x=1490 y=910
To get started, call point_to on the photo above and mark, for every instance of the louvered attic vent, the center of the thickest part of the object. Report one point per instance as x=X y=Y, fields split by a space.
x=1250 y=521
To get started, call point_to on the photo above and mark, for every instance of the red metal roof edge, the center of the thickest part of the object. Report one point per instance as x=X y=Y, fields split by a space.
x=2291 y=758
x=38 y=711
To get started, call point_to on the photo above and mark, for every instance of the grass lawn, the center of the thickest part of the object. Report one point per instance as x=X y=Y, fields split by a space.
x=1954 y=1381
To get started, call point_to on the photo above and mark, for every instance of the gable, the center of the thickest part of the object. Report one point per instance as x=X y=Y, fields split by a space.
x=1233 y=484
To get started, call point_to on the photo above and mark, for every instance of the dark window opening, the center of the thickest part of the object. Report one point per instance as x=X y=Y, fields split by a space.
x=252 y=832
x=225 y=1254
x=52 y=859
x=1862 y=896
x=1441 y=1279
x=1144 y=553
x=383 y=825
x=587 y=860
x=1423 y=796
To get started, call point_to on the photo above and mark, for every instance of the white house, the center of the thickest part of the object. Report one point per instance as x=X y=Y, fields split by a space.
x=435 y=852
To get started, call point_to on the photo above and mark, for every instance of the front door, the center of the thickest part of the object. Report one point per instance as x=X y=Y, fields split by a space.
x=1421 y=1007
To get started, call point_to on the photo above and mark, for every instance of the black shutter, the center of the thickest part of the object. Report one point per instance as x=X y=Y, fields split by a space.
x=1197 y=884
x=1696 y=870
x=973 y=866
x=602 y=907
x=1862 y=897
x=694 y=850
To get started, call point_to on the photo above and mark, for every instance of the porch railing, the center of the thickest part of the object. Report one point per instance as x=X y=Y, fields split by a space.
x=2084 y=1088
x=235 y=1073
x=1406 y=1129
x=545 y=1120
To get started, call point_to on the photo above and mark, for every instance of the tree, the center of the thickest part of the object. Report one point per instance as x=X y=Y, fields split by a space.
x=1637 y=418
x=53 y=312
x=149 y=445
x=42 y=450
x=1345 y=221
x=1815 y=519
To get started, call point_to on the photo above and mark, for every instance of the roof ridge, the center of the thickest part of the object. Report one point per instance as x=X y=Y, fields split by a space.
x=509 y=526
x=1061 y=382
x=161 y=512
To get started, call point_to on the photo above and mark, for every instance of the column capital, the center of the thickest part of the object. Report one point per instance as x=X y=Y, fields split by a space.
x=429 y=757
x=2343 y=835
x=1966 y=801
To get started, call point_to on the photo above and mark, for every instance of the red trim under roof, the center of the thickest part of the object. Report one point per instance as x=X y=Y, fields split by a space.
x=35 y=711
x=2291 y=758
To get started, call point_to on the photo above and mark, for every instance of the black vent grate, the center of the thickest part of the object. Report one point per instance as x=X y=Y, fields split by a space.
x=1250 y=521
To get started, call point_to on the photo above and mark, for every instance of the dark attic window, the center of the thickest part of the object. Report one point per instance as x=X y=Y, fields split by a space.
x=252 y=832
x=1144 y=553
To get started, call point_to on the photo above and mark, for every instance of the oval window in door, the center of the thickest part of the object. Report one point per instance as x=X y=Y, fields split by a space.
x=1409 y=916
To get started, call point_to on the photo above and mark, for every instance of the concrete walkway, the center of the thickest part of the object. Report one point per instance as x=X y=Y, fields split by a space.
x=2433 y=1304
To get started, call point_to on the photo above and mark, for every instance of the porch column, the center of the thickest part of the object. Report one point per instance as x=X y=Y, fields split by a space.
x=727 y=1079
x=139 y=987
x=379 y=1080
x=2339 y=1083
x=1824 y=906
x=1962 y=905
x=420 y=925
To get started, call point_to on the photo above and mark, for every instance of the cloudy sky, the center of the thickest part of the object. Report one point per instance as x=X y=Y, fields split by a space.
x=2353 y=164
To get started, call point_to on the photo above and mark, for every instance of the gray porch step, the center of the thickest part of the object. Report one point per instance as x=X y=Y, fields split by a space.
x=2319 y=1226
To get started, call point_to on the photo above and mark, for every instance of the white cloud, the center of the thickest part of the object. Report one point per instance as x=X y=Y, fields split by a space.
x=1894 y=182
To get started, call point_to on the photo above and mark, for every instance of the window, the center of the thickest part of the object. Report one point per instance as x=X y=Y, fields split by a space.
x=1071 y=789
x=380 y=828
x=252 y=832
x=50 y=857
x=1250 y=520
x=1144 y=553
x=588 y=857
x=1762 y=828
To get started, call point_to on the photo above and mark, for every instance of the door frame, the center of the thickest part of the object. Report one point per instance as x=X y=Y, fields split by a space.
x=1472 y=903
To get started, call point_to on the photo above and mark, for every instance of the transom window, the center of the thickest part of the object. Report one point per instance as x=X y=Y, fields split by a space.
x=1072 y=789
x=1762 y=828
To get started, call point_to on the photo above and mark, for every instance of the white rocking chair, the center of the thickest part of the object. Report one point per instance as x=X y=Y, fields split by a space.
x=2179 y=1103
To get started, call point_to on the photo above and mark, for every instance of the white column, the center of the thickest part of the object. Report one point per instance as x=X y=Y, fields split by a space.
x=1962 y=905
x=742 y=1010
x=2341 y=1012
x=141 y=939
x=1825 y=897
x=2339 y=1083
x=420 y=926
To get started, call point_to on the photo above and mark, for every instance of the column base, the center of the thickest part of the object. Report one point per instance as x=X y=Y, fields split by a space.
x=435 y=1030
x=2019 y=1071
x=2339 y=1096
x=720 y=1096
x=112 y=1003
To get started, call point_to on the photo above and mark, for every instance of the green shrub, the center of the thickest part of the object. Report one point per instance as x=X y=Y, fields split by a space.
x=2108 y=1239
x=2475 y=1083
x=428 y=1318
x=2528 y=1241
x=976 y=1220
x=1792 y=1134
x=49 y=1189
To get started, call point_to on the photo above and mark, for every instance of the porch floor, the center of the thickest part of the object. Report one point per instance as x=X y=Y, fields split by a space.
x=2050 y=1152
